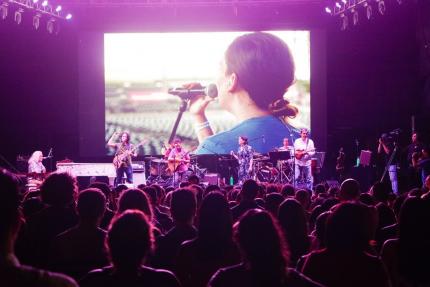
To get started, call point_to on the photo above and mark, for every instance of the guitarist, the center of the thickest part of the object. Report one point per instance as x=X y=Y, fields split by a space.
x=304 y=150
x=123 y=154
x=178 y=161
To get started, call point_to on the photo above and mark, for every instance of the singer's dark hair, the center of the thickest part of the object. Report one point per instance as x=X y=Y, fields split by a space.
x=245 y=139
x=265 y=69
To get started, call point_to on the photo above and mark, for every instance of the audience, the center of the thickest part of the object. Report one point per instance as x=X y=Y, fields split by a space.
x=80 y=249
x=129 y=241
x=265 y=257
x=12 y=273
x=183 y=208
x=344 y=262
x=213 y=248
x=329 y=235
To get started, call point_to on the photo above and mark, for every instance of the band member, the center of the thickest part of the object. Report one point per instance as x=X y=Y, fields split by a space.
x=413 y=152
x=286 y=146
x=244 y=156
x=304 y=150
x=35 y=164
x=178 y=161
x=386 y=148
x=122 y=160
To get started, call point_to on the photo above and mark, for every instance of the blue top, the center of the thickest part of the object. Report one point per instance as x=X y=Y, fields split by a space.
x=264 y=134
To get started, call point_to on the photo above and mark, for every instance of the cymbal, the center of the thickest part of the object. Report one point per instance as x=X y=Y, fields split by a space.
x=262 y=158
x=149 y=158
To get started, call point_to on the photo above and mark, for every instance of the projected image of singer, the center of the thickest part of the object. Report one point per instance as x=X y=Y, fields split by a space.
x=254 y=75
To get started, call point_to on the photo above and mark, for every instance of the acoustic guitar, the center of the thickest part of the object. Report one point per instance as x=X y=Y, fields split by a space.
x=174 y=164
x=121 y=159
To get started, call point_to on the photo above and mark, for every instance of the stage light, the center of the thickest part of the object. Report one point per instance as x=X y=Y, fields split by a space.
x=327 y=10
x=35 y=1
x=344 y=2
x=50 y=26
x=381 y=7
x=338 y=5
x=36 y=21
x=18 y=16
x=45 y=3
x=69 y=16
x=344 y=22
x=4 y=10
x=369 y=11
x=58 y=9
x=354 y=17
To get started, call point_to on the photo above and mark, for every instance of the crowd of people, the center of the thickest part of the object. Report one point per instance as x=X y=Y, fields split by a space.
x=195 y=235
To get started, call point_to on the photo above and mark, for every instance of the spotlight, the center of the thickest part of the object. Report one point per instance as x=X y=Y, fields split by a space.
x=3 y=10
x=18 y=16
x=381 y=7
x=338 y=5
x=344 y=2
x=45 y=3
x=35 y=1
x=369 y=12
x=327 y=10
x=36 y=21
x=58 y=9
x=344 y=22
x=69 y=16
x=355 y=17
x=50 y=26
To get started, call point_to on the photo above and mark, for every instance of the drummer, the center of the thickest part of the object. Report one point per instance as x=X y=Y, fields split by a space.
x=282 y=164
x=286 y=146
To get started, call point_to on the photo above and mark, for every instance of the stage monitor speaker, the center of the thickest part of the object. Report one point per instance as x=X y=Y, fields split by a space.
x=139 y=178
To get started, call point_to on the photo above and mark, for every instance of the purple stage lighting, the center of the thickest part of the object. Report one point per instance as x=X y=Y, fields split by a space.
x=69 y=16
x=45 y=3
x=328 y=10
x=58 y=9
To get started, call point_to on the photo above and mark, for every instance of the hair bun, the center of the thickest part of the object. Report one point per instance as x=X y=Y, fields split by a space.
x=283 y=108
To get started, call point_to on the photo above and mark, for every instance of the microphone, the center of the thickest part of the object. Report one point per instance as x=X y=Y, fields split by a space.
x=187 y=94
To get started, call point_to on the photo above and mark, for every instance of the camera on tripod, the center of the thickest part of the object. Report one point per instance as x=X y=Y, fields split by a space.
x=391 y=137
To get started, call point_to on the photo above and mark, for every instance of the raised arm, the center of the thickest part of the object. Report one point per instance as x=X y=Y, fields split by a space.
x=111 y=142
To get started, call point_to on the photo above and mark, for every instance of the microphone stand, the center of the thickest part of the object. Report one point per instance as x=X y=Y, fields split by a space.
x=182 y=108
x=294 y=162
x=50 y=156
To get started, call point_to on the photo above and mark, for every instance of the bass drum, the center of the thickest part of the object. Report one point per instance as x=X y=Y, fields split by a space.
x=159 y=167
x=267 y=174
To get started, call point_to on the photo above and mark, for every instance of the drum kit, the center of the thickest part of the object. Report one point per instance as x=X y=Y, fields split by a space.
x=277 y=167
x=160 y=171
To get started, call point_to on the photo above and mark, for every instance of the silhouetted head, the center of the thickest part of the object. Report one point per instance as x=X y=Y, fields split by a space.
x=91 y=204
x=214 y=219
x=262 y=244
x=135 y=199
x=349 y=190
x=250 y=189
x=58 y=189
x=9 y=206
x=348 y=228
x=129 y=240
x=183 y=205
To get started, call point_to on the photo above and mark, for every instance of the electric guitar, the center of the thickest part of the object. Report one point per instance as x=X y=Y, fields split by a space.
x=300 y=153
x=121 y=159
